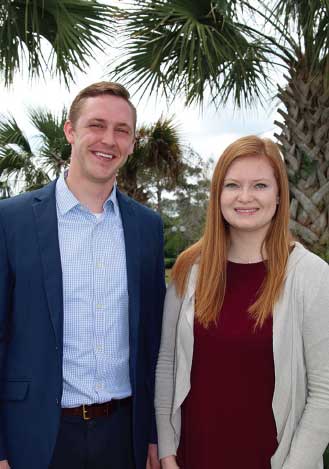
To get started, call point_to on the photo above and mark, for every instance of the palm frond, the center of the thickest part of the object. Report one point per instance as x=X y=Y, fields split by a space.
x=5 y=190
x=181 y=47
x=310 y=18
x=36 y=179
x=12 y=161
x=54 y=150
x=157 y=160
x=163 y=151
x=74 y=30
x=12 y=134
x=15 y=166
x=25 y=166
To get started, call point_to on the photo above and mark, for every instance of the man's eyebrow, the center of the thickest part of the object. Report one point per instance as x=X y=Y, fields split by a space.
x=123 y=124
x=96 y=119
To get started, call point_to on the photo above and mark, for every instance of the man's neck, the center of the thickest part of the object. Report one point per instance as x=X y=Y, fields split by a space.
x=91 y=195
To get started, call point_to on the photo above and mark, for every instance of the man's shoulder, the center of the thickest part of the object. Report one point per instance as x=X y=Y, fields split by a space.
x=21 y=201
x=16 y=200
x=139 y=208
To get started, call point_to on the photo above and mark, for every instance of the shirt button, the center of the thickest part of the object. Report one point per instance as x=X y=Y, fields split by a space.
x=99 y=265
x=99 y=386
x=99 y=306
x=99 y=348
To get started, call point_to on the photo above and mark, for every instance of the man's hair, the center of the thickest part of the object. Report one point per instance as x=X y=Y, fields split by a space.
x=99 y=89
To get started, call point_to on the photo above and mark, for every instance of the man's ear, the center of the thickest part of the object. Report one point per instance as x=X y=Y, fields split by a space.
x=132 y=146
x=69 y=132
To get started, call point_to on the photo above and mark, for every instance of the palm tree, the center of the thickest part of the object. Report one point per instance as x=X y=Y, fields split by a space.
x=26 y=164
x=5 y=190
x=155 y=165
x=191 y=47
x=215 y=50
x=54 y=35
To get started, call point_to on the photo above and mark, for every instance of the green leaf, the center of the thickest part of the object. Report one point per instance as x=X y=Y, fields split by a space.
x=192 y=48
x=54 y=35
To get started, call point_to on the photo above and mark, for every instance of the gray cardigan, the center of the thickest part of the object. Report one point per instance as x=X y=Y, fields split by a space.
x=301 y=360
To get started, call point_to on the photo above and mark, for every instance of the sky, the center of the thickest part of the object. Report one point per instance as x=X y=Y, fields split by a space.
x=208 y=131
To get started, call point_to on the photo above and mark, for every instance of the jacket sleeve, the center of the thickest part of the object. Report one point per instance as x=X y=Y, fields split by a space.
x=312 y=434
x=164 y=381
x=6 y=285
x=160 y=289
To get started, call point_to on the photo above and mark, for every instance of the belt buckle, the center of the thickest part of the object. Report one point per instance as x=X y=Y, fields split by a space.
x=84 y=412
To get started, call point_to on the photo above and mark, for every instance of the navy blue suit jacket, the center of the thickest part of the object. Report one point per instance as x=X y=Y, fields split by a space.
x=31 y=324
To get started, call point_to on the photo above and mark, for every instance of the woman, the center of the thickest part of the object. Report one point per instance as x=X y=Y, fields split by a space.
x=252 y=308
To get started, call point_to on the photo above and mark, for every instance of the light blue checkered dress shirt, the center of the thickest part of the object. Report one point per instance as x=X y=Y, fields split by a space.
x=96 y=329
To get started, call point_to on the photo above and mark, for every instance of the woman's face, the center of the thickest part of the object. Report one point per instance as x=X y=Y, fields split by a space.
x=250 y=195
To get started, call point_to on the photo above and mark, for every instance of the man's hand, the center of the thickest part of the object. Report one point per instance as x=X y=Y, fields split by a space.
x=4 y=464
x=152 y=457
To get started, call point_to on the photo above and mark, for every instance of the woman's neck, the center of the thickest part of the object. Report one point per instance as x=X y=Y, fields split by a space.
x=246 y=248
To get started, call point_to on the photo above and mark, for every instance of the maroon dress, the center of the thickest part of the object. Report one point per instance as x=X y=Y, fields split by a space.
x=227 y=418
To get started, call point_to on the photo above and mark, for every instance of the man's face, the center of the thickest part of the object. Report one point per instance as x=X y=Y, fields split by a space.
x=102 y=138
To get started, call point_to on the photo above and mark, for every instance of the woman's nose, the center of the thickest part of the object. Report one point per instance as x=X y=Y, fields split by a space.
x=245 y=194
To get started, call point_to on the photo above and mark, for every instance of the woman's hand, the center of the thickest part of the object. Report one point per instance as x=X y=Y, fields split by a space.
x=169 y=462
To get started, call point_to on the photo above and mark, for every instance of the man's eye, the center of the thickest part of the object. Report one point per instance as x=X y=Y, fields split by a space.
x=98 y=126
x=123 y=130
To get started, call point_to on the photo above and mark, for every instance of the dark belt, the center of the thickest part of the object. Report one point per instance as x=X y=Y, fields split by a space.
x=92 y=411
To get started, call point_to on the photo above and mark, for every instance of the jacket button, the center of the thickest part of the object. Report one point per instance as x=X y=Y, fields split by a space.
x=57 y=401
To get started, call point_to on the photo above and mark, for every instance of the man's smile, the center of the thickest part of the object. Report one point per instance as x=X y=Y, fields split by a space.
x=101 y=154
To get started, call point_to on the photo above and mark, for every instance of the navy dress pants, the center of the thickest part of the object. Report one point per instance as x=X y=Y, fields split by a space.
x=99 y=443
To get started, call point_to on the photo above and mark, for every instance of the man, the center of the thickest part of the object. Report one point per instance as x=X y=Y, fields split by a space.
x=81 y=296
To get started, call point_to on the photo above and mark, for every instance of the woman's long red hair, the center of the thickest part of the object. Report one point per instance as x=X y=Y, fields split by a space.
x=210 y=252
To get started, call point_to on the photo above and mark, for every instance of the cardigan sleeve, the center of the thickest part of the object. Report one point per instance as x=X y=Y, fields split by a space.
x=312 y=433
x=165 y=374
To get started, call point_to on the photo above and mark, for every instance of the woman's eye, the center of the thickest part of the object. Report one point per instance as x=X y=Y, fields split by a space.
x=231 y=185
x=261 y=185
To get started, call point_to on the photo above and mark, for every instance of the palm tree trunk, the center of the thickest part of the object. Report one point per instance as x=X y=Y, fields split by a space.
x=159 y=197
x=304 y=140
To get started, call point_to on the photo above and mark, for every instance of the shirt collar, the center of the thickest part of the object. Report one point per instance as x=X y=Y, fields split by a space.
x=112 y=198
x=66 y=200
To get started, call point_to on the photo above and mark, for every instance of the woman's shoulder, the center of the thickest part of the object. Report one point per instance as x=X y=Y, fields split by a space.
x=308 y=269
x=304 y=261
x=172 y=299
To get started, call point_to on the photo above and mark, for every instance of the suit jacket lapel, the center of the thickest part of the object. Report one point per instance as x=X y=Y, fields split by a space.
x=132 y=244
x=44 y=208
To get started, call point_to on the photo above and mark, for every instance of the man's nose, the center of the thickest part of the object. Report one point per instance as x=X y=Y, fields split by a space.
x=108 y=137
